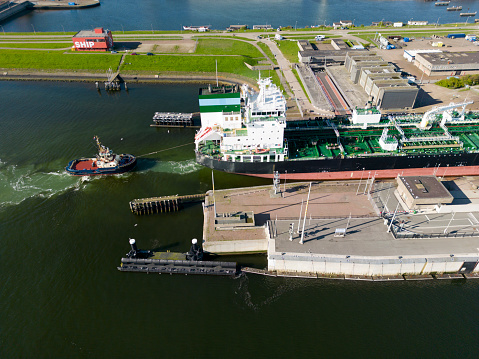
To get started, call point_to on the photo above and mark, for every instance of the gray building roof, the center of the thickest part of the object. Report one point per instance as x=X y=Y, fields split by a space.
x=91 y=33
x=425 y=187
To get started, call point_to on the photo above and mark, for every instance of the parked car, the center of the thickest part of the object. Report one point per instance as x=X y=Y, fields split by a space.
x=149 y=54
x=114 y=52
x=134 y=53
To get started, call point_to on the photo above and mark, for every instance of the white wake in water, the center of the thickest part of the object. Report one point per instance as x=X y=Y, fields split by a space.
x=179 y=167
x=19 y=183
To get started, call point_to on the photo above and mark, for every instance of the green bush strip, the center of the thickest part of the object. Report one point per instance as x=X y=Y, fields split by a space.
x=455 y=83
x=295 y=72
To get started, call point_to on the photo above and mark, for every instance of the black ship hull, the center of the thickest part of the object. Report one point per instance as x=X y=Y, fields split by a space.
x=344 y=168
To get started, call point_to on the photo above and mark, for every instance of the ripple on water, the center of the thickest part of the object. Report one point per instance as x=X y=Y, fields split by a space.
x=17 y=183
x=178 y=167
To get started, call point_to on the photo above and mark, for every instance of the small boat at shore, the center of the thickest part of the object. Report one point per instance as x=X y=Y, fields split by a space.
x=468 y=13
x=454 y=8
x=105 y=163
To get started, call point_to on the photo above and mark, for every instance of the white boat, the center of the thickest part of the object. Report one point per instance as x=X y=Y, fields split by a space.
x=202 y=28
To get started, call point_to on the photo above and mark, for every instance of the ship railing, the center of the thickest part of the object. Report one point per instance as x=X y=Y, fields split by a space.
x=430 y=139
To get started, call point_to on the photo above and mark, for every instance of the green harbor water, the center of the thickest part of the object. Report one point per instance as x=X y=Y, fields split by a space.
x=62 y=237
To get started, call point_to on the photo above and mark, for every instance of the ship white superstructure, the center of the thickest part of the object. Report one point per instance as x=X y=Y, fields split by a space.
x=258 y=136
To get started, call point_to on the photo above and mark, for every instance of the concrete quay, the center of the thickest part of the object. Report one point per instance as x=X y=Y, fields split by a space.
x=9 y=9
x=349 y=231
x=62 y=4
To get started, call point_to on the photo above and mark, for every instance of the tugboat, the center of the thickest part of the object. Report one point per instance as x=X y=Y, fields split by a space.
x=105 y=163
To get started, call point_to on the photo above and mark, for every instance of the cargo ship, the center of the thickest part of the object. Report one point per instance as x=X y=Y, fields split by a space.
x=105 y=163
x=246 y=132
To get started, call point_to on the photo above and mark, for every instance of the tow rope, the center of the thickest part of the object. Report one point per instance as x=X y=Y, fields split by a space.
x=166 y=149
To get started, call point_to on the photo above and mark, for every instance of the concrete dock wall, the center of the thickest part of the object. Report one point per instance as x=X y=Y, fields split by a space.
x=368 y=266
x=236 y=247
x=13 y=9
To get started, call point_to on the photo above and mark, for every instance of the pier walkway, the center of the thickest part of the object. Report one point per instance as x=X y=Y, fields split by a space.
x=162 y=204
x=345 y=232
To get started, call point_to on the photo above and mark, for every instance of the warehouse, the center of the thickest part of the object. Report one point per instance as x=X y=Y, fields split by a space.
x=357 y=65
x=367 y=71
x=93 y=40
x=325 y=56
x=410 y=55
x=394 y=94
x=358 y=56
x=448 y=63
x=371 y=78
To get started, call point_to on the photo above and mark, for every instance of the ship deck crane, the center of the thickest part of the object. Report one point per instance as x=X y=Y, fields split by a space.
x=429 y=116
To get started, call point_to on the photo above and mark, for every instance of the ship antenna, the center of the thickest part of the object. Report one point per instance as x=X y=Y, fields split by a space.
x=97 y=139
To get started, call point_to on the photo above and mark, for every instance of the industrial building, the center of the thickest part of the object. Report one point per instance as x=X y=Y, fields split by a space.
x=339 y=44
x=410 y=55
x=326 y=56
x=343 y=87
x=448 y=63
x=421 y=192
x=386 y=88
x=394 y=94
x=93 y=40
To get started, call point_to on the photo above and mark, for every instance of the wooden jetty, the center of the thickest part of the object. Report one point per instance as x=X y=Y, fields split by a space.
x=163 y=204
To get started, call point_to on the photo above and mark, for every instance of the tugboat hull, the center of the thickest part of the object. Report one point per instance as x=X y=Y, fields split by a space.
x=85 y=167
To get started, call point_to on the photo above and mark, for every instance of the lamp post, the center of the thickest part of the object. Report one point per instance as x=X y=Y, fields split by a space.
x=437 y=21
x=63 y=29
x=295 y=25
x=122 y=28
x=3 y=30
x=33 y=28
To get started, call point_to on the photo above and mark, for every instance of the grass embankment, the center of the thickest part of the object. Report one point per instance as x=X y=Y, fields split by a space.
x=43 y=60
x=37 y=45
x=208 y=51
x=234 y=37
x=268 y=52
x=455 y=83
x=230 y=54
x=289 y=49
x=195 y=64
x=226 y=47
